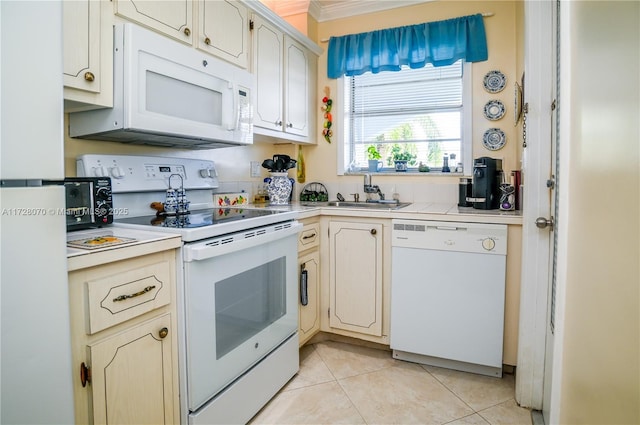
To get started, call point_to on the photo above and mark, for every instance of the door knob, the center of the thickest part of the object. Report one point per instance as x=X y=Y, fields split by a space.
x=543 y=223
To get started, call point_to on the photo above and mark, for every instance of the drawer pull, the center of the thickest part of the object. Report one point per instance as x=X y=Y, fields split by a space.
x=313 y=235
x=85 y=374
x=304 y=295
x=137 y=294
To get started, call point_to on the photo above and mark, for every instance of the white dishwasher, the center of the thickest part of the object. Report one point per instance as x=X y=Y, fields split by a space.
x=447 y=294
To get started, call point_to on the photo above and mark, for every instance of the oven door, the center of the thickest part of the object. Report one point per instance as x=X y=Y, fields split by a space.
x=240 y=304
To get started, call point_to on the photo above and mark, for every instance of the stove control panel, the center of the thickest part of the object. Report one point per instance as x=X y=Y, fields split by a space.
x=132 y=173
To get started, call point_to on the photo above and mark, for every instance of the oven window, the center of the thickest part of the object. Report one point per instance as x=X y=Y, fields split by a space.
x=248 y=302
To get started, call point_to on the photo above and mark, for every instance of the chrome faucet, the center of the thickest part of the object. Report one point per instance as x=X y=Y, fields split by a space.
x=369 y=188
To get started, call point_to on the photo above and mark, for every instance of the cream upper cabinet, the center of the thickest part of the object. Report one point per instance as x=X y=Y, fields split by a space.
x=356 y=277
x=297 y=88
x=224 y=30
x=173 y=18
x=87 y=61
x=285 y=77
x=268 y=50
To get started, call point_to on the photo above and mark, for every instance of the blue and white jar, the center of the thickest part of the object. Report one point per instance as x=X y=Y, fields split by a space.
x=279 y=188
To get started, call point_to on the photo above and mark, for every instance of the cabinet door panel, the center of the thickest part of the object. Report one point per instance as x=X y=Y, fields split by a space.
x=310 y=314
x=224 y=30
x=81 y=38
x=355 y=281
x=268 y=68
x=131 y=376
x=170 y=17
x=297 y=89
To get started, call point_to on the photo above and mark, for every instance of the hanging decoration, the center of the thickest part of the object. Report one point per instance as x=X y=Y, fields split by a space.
x=326 y=100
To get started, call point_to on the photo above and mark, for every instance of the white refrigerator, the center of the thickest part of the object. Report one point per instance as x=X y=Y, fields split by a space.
x=34 y=317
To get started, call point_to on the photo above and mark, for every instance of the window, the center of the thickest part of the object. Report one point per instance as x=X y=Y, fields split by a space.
x=424 y=111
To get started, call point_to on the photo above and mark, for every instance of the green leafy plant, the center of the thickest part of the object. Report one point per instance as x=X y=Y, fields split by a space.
x=372 y=153
x=398 y=153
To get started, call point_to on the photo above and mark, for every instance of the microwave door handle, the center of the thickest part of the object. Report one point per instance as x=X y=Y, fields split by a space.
x=233 y=125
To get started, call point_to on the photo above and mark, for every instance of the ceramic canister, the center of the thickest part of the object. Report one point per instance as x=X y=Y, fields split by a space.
x=279 y=189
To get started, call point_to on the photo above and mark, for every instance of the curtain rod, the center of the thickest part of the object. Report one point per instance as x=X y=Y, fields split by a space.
x=484 y=15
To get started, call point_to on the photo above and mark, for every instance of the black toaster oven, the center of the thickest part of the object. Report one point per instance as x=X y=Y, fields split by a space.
x=88 y=202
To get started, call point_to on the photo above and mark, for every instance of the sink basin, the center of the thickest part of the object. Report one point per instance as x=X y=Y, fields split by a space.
x=392 y=205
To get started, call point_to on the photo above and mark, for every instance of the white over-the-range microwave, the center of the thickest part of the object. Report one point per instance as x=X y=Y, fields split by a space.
x=168 y=94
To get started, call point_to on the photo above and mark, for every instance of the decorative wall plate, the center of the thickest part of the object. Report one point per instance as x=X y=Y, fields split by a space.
x=494 y=139
x=494 y=81
x=494 y=110
x=517 y=104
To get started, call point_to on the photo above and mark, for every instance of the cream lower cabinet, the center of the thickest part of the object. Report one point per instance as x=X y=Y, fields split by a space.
x=124 y=342
x=359 y=276
x=128 y=375
x=309 y=280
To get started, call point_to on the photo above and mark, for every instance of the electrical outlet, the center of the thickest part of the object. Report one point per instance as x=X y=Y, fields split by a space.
x=255 y=169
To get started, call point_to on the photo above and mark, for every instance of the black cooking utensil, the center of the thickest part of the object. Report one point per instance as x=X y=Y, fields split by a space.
x=269 y=164
x=291 y=164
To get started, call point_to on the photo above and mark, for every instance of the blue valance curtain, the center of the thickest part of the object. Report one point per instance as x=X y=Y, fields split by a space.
x=439 y=43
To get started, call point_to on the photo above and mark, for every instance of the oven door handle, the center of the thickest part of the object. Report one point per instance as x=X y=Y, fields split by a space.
x=219 y=246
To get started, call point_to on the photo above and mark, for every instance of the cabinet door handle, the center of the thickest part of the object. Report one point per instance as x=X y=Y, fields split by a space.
x=163 y=333
x=290 y=125
x=137 y=294
x=373 y=231
x=304 y=295
x=313 y=235
x=278 y=123
x=85 y=374
x=207 y=41
x=88 y=76
x=187 y=32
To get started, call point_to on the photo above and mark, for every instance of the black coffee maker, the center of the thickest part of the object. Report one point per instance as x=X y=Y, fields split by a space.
x=487 y=176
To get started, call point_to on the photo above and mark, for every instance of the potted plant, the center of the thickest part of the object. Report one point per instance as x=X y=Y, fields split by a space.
x=374 y=158
x=401 y=157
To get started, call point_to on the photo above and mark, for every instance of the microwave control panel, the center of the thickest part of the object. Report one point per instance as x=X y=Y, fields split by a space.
x=131 y=173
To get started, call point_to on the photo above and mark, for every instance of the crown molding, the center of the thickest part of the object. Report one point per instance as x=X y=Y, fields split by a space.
x=327 y=10
x=344 y=9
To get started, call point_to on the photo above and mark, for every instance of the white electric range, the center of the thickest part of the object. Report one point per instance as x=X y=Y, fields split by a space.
x=237 y=283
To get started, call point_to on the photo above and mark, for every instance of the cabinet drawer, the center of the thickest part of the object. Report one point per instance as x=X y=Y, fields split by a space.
x=132 y=291
x=309 y=237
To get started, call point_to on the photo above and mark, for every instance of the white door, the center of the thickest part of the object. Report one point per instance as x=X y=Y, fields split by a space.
x=553 y=188
x=537 y=156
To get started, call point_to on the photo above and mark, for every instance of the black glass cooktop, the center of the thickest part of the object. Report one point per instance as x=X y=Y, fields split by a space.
x=199 y=218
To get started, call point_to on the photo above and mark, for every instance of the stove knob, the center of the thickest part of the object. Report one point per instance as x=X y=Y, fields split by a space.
x=99 y=171
x=208 y=172
x=117 y=172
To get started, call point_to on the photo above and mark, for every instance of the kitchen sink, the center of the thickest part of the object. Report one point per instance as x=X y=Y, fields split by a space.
x=388 y=205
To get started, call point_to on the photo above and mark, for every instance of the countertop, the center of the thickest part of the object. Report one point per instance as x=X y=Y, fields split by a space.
x=147 y=242
x=415 y=211
x=141 y=243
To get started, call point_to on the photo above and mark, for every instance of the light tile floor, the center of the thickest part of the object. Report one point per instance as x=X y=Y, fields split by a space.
x=340 y=383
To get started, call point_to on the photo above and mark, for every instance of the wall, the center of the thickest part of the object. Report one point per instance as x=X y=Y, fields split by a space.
x=502 y=38
x=599 y=367
x=232 y=163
